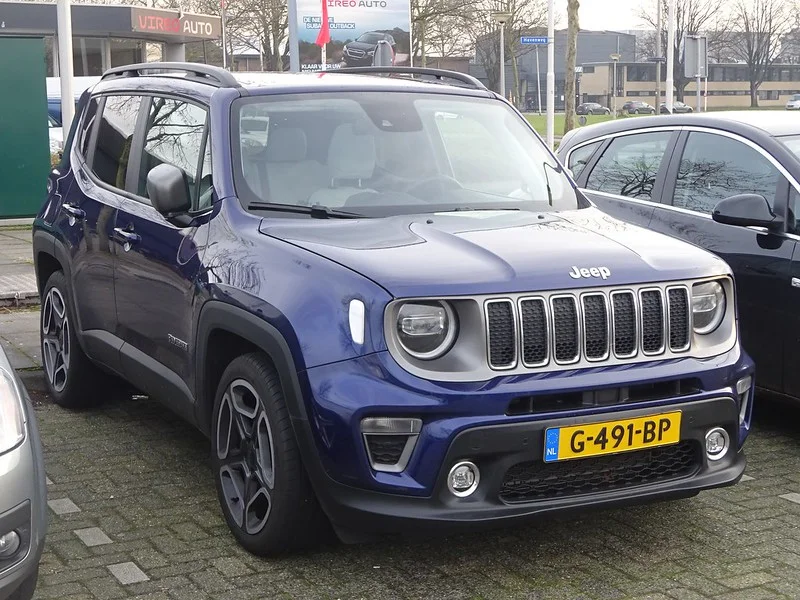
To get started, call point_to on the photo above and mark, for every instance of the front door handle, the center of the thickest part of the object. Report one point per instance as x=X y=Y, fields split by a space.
x=126 y=237
x=75 y=213
x=795 y=282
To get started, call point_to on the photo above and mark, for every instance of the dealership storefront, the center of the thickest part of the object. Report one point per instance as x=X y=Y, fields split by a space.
x=109 y=36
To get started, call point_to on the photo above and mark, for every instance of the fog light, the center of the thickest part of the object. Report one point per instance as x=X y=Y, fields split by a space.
x=9 y=544
x=463 y=479
x=717 y=442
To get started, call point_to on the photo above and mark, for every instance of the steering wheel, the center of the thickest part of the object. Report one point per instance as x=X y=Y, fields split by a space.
x=433 y=185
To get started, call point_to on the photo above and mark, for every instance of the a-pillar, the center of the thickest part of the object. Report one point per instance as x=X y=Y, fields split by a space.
x=175 y=52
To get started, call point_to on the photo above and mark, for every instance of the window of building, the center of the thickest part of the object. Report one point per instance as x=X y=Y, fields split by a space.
x=714 y=167
x=588 y=70
x=641 y=72
x=629 y=165
x=174 y=136
x=114 y=139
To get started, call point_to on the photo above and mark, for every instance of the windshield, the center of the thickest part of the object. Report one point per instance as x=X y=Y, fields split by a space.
x=378 y=153
x=795 y=97
x=370 y=38
x=792 y=142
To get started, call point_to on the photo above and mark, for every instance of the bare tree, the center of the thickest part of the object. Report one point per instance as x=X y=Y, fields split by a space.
x=762 y=24
x=691 y=17
x=573 y=26
x=430 y=20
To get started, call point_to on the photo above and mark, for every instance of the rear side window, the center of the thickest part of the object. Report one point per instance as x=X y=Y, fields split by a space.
x=580 y=157
x=629 y=165
x=714 y=167
x=174 y=136
x=114 y=139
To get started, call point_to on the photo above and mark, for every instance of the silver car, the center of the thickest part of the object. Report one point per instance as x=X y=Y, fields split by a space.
x=23 y=492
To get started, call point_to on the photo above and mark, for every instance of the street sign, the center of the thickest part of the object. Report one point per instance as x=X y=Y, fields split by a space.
x=657 y=59
x=695 y=53
x=533 y=39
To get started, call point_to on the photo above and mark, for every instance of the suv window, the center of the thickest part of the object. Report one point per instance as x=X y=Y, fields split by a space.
x=86 y=126
x=629 y=165
x=174 y=135
x=380 y=154
x=114 y=139
x=714 y=167
x=580 y=157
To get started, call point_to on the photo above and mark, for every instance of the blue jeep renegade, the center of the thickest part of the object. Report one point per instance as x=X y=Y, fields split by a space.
x=383 y=300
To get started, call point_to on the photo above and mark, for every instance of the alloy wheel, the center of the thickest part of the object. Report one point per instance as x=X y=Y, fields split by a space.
x=246 y=455
x=55 y=339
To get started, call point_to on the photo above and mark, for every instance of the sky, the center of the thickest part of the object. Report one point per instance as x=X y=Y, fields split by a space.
x=602 y=14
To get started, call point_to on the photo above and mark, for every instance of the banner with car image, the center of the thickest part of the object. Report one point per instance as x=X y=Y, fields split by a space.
x=356 y=28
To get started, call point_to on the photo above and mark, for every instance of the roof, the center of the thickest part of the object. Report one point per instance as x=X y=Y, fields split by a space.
x=746 y=122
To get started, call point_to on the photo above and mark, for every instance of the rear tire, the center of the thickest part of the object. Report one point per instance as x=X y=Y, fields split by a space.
x=263 y=490
x=72 y=379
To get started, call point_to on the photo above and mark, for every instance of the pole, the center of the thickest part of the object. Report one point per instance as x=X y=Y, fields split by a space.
x=65 y=70
x=614 y=90
x=224 y=36
x=502 y=60
x=538 y=81
x=670 y=55
x=699 y=83
x=659 y=50
x=324 y=57
x=294 y=42
x=551 y=76
x=705 y=95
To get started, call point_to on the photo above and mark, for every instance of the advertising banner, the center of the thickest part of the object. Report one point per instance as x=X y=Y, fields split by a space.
x=356 y=27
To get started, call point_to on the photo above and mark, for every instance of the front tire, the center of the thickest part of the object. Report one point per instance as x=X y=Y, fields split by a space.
x=72 y=379
x=263 y=490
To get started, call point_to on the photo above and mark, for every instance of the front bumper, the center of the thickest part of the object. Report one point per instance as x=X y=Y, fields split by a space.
x=469 y=422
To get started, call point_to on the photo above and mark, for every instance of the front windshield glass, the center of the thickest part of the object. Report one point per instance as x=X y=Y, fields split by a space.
x=370 y=38
x=792 y=142
x=378 y=153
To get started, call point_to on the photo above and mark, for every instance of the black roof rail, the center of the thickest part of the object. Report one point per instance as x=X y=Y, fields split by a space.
x=196 y=71
x=439 y=74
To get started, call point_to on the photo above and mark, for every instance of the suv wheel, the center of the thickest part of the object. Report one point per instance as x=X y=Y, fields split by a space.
x=71 y=376
x=262 y=487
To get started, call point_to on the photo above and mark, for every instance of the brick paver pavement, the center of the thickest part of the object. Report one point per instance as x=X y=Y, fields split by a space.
x=148 y=526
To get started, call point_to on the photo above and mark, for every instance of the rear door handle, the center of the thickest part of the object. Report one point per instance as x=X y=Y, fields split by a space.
x=75 y=213
x=126 y=237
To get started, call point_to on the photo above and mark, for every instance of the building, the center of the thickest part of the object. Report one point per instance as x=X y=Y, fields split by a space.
x=106 y=36
x=727 y=86
x=593 y=46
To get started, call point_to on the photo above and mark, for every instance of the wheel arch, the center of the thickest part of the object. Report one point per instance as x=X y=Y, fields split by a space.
x=226 y=331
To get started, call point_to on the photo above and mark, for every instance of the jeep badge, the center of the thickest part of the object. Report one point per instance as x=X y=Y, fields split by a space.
x=603 y=272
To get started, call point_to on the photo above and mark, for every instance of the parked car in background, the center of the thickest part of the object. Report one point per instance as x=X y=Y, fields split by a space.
x=728 y=182
x=677 y=108
x=347 y=304
x=23 y=493
x=359 y=53
x=637 y=107
x=56 y=135
x=53 y=87
x=793 y=103
x=592 y=108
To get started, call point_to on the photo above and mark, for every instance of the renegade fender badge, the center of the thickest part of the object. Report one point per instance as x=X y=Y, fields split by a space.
x=602 y=272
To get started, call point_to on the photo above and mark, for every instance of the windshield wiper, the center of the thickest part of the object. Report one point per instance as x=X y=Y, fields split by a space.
x=317 y=211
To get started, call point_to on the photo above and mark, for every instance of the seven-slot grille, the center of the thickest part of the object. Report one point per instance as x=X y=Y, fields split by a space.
x=592 y=326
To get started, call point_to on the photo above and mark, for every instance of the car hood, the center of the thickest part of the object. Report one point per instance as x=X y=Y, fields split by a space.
x=361 y=46
x=489 y=252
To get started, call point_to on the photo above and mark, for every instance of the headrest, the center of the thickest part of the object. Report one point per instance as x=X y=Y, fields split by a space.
x=351 y=155
x=286 y=144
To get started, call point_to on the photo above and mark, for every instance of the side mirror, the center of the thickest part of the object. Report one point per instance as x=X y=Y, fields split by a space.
x=168 y=190
x=746 y=210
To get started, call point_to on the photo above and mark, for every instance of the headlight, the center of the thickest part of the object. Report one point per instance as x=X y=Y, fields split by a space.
x=426 y=330
x=12 y=427
x=708 y=306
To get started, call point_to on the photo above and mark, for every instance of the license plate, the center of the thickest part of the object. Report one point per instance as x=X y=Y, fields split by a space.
x=612 y=437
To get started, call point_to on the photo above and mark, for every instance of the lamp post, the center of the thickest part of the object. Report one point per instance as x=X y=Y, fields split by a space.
x=670 y=54
x=502 y=18
x=615 y=58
